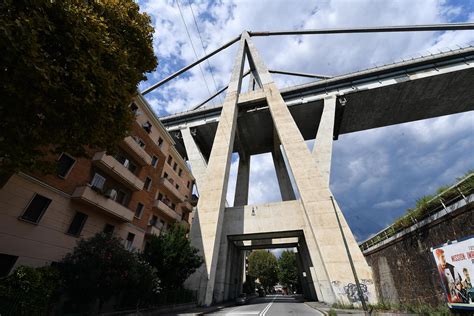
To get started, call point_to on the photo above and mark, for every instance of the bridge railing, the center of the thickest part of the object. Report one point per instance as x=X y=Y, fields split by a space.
x=459 y=191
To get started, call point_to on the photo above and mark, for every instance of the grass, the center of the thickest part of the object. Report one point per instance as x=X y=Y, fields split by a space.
x=419 y=309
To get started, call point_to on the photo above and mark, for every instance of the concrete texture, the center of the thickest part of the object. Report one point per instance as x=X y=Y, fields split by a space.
x=212 y=194
x=243 y=178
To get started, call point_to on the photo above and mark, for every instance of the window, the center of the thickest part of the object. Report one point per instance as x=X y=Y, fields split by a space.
x=162 y=224
x=160 y=142
x=170 y=159
x=139 y=210
x=98 y=181
x=180 y=172
x=147 y=185
x=173 y=206
x=134 y=108
x=126 y=163
x=147 y=127
x=177 y=186
x=129 y=241
x=122 y=197
x=109 y=229
x=175 y=166
x=160 y=196
x=165 y=175
x=187 y=185
x=36 y=208
x=77 y=224
x=65 y=164
x=154 y=161
x=153 y=220
x=6 y=264
x=139 y=141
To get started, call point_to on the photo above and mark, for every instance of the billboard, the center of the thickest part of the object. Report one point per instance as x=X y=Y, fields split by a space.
x=455 y=264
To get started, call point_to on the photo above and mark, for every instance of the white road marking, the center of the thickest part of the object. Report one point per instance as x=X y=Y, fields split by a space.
x=265 y=310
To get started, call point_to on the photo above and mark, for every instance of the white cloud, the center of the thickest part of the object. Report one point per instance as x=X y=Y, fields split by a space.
x=390 y=204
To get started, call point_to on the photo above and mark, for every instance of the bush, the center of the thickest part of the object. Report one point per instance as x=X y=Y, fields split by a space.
x=173 y=257
x=100 y=268
x=29 y=291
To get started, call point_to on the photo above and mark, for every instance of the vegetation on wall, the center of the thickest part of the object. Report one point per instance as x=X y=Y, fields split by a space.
x=68 y=70
x=426 y=205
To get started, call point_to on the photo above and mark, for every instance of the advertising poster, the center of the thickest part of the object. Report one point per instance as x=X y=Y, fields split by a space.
x=455 y=263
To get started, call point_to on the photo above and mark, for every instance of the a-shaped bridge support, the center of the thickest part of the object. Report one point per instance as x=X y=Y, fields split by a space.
x=312 y=214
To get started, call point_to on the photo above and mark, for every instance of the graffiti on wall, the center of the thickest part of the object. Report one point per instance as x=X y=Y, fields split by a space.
x=350 y=291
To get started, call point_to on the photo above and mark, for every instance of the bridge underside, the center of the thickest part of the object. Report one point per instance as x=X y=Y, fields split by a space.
x=406 y=98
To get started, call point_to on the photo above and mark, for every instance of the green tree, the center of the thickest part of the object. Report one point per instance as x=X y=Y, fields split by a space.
x=28 y=291
x=263 y=265
x=173 y=257
x=287 y=269
x=69 y=69
x=100 y=268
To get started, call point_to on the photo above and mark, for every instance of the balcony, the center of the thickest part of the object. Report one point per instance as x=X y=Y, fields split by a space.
x=88 y=196
x=117 y=171
x=152 y=230
x=187 y=206
x=171 y=189
x=130 y=146
x=167 y=210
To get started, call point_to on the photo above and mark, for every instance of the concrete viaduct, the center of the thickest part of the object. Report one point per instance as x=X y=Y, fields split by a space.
x=265 y=119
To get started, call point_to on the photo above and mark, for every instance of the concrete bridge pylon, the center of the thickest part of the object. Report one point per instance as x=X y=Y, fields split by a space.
x=306 y=212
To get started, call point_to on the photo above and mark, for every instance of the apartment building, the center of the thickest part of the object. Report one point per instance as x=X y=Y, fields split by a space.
x=135 y=193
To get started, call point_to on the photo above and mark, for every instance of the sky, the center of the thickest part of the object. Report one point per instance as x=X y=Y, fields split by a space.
x=376 y=174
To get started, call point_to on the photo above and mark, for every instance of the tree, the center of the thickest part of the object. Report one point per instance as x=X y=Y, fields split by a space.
x=29 y=291
x=173 y=257
x=100 y=268
x=263 y=265
x=287 y=269
x=69 y=70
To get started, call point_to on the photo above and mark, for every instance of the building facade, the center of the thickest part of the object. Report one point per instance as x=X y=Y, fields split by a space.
x=135 y=193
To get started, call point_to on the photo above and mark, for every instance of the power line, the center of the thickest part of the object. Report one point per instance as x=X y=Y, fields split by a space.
x=204 y=49
x=192 y=45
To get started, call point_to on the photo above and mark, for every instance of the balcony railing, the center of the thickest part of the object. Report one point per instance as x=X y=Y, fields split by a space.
x=152 y=230
x=130 y=146
x=87 y=195
x=117 y=171
x=187 y=206
x=172 y=189
x=167 y=210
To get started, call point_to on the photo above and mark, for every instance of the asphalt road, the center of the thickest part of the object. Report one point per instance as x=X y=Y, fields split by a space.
x=270 y=305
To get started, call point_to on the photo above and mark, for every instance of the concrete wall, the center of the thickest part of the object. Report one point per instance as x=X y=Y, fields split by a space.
x=404 y=270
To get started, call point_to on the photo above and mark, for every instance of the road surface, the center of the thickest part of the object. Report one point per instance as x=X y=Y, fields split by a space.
x=270 y=305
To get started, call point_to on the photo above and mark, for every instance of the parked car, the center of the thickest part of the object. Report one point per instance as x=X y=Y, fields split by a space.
x=241 y=299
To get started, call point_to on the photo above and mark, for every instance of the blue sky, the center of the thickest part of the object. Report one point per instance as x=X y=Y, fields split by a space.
x=376 y=174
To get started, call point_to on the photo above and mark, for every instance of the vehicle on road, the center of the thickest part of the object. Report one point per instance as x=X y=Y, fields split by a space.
x=241 y=299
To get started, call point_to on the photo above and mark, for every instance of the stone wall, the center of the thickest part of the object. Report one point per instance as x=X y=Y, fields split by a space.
x=404 y=270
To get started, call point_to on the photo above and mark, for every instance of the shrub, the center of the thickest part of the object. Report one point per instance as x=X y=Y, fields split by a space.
x=29 y=291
